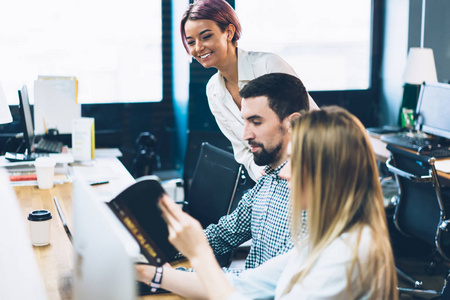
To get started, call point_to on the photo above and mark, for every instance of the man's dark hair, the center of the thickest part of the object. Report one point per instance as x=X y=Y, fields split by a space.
x=286 y=93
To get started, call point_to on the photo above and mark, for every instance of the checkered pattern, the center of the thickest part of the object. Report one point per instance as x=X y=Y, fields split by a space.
x=262 y=215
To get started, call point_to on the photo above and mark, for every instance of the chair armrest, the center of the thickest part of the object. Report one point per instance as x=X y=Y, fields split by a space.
x=412 y=177
x=182 y=202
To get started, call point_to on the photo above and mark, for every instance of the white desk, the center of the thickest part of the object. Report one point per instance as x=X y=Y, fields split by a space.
x=105 y=169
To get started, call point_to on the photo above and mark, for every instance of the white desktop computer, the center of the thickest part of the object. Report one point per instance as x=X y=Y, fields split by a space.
x=105 y=252
x=20 y=277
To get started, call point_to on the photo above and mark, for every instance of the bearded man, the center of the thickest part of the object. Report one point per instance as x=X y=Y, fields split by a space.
x=269 y=103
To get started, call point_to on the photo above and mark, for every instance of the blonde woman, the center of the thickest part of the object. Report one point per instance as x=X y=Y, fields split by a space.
x=346 y=253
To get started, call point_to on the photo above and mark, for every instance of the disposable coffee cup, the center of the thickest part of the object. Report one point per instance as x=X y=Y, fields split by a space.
x=40 y=221
x=45 y=172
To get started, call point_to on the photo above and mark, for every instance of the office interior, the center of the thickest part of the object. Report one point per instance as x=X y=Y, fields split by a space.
x=175 y=122
x=396 y=28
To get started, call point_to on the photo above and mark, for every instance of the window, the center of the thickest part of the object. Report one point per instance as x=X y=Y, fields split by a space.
x=112 y=47
x=327 y=42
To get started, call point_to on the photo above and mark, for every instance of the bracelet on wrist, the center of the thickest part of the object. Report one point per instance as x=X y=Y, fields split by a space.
x=155 y=284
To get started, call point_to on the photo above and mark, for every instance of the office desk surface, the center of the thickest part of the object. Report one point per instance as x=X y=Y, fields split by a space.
x=55 y=260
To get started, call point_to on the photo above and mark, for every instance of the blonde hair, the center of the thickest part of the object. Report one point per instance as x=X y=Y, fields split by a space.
x=334 y=167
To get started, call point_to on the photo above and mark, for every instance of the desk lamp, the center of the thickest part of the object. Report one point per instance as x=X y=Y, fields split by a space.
x=5 y=113
x=420 y=67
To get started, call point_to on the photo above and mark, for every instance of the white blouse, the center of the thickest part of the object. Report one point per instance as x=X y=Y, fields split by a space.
x=326 y=280
x=228 y=116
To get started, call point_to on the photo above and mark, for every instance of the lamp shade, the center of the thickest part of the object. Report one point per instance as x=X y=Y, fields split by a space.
x=420 y=66
x=5 y=113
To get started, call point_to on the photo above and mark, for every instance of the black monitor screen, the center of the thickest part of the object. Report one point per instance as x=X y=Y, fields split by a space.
x=433 y=109
x=26 y=119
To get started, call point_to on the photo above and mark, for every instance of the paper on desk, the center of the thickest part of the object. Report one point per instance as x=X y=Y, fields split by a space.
x=443 y=165
x=108 y=152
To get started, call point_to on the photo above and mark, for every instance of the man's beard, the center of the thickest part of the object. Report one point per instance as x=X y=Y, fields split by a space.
x=266 y=157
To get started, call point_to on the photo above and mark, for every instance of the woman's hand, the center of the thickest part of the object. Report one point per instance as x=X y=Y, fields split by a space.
x=185 y=233
x=145 y=272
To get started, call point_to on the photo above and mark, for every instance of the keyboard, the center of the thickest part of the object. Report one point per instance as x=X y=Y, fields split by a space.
x=48 y=146
x=424 y=146
x=406 y=141
x=439 y=152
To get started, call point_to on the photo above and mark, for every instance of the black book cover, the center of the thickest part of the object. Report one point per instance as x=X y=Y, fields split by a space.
x=137 y=209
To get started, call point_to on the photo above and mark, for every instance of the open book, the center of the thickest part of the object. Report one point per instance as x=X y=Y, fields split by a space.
x=137 y=209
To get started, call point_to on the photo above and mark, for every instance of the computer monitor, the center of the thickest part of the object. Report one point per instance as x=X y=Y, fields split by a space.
x=433 y=109
x=105 y=252
x=26 y=120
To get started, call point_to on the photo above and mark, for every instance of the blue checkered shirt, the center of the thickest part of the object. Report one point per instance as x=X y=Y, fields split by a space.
x=262 y=215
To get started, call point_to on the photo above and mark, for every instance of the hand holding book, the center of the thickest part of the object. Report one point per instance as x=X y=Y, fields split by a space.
x=137 y=208
x=185 y=232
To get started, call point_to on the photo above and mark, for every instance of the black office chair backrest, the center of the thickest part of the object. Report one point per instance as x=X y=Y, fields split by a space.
x=193 y=148
x=421 y=208
x=245 y=184
x=213 y=185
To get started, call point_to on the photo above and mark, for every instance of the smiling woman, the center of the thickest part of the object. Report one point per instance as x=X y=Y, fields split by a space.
x=210 y=30
x=208 y=44
x=115 y=53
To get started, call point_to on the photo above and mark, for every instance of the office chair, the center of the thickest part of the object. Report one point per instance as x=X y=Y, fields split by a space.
x=193 y=148
x=212 y=188
x=213 y=185
x=421 y=209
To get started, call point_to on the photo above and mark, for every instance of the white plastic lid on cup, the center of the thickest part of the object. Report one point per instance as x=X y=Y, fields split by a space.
x=45 y=172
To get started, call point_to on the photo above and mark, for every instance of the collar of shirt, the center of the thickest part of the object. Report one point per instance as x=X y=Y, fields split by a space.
x=274 y=172
x=245 y=72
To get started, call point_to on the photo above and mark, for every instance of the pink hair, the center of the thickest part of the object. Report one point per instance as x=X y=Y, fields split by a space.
x=218 y=11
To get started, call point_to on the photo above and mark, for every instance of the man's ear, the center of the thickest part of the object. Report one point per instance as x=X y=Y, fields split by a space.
x=289 y=119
